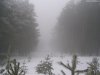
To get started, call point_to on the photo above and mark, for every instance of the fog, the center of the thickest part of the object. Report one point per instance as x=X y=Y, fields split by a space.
x=66 y=26
x=47 y=12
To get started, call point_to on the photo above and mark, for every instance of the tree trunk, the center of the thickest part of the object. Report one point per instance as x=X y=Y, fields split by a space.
x=73 y=73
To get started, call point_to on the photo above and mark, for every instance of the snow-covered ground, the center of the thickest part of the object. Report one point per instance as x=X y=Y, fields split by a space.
x=82 y=64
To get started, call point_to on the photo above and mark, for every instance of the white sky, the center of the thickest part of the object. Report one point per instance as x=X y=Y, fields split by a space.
x=47 y=12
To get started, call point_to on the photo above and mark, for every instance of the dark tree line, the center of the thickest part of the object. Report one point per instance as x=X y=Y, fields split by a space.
x=18 y=27
x=78 y=28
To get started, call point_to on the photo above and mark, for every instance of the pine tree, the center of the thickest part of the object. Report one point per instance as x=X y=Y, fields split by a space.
x=72 y=67
x=45 y=67
x=13 y=68
x=93 y=68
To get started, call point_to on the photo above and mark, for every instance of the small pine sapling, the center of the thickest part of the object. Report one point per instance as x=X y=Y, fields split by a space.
x=72 y=67
x=45 y=67
x=93 y=68
x=13 y=68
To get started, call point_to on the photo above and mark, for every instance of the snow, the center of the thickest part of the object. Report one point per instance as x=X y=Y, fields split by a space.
x=82 y=64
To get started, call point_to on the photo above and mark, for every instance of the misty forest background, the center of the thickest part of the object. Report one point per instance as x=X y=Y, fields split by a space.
x=75 y=33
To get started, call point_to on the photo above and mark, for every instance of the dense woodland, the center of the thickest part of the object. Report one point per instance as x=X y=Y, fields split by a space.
x=78 y=28
x=18 y=27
